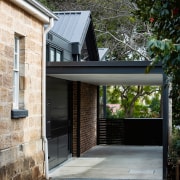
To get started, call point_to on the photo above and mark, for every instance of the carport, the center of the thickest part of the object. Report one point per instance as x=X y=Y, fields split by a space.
x=116 y=73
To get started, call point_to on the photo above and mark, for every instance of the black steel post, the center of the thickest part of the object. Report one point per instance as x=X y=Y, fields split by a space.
x=165 y=126
x=104 y=101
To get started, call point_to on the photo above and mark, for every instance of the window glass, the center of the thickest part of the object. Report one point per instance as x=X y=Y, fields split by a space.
x=16 y=53
x=58 y=56
x=52 y=54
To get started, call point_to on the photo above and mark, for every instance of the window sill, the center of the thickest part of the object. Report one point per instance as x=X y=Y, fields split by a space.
x=19 y=113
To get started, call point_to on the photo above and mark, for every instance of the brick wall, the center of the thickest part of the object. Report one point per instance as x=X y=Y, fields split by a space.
x=21 y=155
x=74 y=123
x=88 y=117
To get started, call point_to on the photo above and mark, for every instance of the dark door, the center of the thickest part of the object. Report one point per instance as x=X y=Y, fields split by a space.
x=57 y=123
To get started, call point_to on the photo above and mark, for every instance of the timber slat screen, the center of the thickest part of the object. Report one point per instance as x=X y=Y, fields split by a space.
x=131 y=131
x=111 y=131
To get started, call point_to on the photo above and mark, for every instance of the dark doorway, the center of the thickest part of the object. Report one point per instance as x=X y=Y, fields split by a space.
x=57 y=121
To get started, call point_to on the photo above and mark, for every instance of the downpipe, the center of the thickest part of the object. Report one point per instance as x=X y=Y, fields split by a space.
x=44 y=138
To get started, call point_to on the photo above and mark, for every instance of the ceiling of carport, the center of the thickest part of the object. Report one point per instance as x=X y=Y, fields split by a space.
x=114 y=79
x=107 y=73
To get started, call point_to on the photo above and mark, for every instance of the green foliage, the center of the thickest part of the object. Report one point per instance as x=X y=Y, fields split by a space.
x=120 y=114
x=110 y=18
x=49 y=4
x=175 y=147
x=135 y=101
x=155 y=105
x=164 y=46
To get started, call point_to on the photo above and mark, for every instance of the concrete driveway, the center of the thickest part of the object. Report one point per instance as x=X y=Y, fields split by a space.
x=112 y=163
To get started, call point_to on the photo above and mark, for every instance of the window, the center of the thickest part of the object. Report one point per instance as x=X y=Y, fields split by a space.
x=58 y=56
x=16 y=74
x=19 y=78
x=54 y=54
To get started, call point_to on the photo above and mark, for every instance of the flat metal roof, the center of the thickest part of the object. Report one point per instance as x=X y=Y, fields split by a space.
x=107 y=72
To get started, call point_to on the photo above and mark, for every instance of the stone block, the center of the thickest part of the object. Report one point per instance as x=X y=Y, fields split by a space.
x=26 y=175
x=5 y=127
x=31 y=162
x=3 y=173
x=17 y=125
x=17 y=177
x=26 y=164
x=39 y=157
x=10 y=170
x=17 y=137
x=35 y=173
x=5 y=141
x=2 y=65
x=35 y=134
x=7 y=81
x=9 y=51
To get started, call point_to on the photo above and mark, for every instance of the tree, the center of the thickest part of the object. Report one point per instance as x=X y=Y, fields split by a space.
x=114 y=24
x=115 y=28
x=136 y=101
x=164 y=46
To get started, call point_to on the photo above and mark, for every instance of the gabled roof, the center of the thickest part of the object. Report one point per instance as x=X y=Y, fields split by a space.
x=72 y=25
x=77 y=28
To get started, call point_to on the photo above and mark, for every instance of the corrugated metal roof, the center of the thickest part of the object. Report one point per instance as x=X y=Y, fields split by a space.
x=72 y=25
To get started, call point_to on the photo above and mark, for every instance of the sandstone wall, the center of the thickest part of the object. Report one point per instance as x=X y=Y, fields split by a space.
x=21 y=155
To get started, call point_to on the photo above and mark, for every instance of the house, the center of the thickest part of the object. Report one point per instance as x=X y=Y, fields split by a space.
x=74 y=73
x=71 y=39
x=22 y=42
x=44 y=121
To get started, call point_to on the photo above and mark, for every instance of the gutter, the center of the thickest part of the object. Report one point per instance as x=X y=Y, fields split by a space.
x=45 y=142
x=35 y=9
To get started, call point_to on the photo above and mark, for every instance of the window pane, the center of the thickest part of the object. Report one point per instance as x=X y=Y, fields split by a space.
x=16 y=62
x=16 y=44
x=16 y=90
x=58 y=56
x=52 y=55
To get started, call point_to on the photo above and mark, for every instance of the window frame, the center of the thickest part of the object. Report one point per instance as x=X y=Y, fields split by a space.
x=17 y=112
x=56 y=51
x=16 y=62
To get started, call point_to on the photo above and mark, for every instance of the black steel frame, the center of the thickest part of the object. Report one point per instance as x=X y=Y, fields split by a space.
x=116 y=67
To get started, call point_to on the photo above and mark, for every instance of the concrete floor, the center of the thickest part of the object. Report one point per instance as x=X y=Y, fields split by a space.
x=112 y=163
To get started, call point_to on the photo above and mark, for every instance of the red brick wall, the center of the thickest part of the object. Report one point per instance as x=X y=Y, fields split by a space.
x=74 y=123
x=88 y=117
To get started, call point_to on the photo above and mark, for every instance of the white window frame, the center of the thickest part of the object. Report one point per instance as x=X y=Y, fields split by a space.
x=16 y=73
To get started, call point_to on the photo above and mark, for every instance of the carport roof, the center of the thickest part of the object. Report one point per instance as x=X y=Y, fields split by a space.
x=107 y=73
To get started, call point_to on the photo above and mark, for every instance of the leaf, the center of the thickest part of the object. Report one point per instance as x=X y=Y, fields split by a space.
x=177 y=47
x=162 y=47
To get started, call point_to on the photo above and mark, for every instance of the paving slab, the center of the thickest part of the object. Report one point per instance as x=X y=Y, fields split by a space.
x=113 y=163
